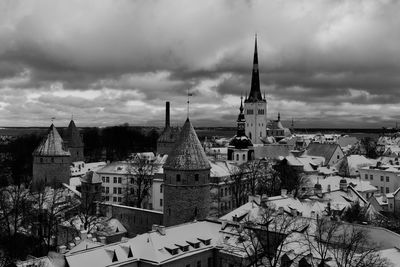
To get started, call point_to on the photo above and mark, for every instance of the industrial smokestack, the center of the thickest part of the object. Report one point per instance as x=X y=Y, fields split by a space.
x=166 y=114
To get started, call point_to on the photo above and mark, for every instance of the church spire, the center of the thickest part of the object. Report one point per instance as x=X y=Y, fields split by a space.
x=255 y=93
x=241 y=121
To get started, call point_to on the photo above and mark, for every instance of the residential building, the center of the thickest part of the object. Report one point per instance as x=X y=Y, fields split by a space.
x=385 y=177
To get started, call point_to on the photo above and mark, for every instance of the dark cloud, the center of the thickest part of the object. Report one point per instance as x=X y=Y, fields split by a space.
x=109 y=62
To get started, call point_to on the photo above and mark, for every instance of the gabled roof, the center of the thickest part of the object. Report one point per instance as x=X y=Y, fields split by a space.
x=51 y=145
x=188 y=154
x=72 y=136
x=91 y=177
x=322 y=150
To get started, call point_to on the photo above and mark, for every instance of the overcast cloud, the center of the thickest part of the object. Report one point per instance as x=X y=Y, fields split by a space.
x=107 y=62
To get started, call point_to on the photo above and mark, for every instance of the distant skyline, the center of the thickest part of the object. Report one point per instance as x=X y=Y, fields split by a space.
x=107 y=62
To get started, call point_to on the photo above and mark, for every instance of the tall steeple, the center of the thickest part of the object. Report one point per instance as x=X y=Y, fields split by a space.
x=241 y=121
x=255 y=93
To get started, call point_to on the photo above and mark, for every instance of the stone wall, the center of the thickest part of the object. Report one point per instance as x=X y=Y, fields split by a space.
x=186 y=199
x=135 y=220
x=51 y=170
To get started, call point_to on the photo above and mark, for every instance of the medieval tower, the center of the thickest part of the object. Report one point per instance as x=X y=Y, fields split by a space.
x=73 y=141
x=186 y=180
x=51 y=161
x=255 y=106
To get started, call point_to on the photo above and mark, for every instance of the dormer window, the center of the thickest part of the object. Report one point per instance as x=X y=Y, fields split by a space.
x=205 y=241
x=172 y=251
x=194 y=244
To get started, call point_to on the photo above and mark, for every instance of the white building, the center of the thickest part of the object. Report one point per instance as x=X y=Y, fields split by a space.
x=383 y=176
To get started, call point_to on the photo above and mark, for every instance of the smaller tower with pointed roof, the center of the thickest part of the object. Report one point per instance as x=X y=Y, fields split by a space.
x=186 y=180
x=255 y=106
x=91 y=192
x=51 y=161
x=167 y=139
x=240 y=148
x=73 y=141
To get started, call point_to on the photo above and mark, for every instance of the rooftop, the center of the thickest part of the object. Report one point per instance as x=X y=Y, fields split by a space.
x=51 y=145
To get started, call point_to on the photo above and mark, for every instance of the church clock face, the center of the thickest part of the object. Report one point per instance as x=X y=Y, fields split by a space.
x=241 y=126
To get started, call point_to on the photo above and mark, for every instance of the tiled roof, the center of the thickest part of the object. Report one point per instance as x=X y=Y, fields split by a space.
x=91 y=177
x=51 y=144
x=72 y=136
x=272 y=151
x=188 y=154
x=322 y=150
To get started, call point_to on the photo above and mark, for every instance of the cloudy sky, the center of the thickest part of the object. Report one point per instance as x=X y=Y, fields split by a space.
x=107 y=62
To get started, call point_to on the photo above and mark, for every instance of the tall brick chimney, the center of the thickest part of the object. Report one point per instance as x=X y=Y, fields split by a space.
x=167 y=114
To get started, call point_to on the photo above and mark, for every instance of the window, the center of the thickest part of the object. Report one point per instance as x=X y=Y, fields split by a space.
x=387 y=190
x=371 y=177
x=381 y=189
x=222 y=192
x=132 y=181
x=237 y=157
x=115 y=199
x=250 y=111
x=119 y=180
x=244 y=157
x=391 y=206
x=103 y=179
x=114 y=190
x=161 y=202
x=338 y=157
x=196 y=177
x=132 y=191
x=103 y=189
x=161 y=186
x=381 y=178
x=107 y=190
x=198 y=264
x=119 y=190
x=187 y=265
x=209 y=262
x=387 y=178
x=115 y=180
x=107 y=179
x=226 y=191
x=178 y=177
x=41 y=160
x=107 y=198
x=119 y=199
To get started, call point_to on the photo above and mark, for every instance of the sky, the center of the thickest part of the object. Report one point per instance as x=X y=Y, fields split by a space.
x=323 y=63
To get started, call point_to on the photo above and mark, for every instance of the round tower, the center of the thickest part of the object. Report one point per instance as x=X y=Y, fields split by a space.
x=91 y=192
x=186 y=180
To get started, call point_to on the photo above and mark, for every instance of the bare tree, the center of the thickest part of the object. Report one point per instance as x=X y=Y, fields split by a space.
x=141 y=170
x=238 y=184
x=267 y=235
x=345 y=244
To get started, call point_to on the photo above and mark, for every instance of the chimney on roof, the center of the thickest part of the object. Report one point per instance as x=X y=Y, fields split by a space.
x=167 y=121
x=283 y=192
x=102 y=239
x=343 y=185
x=62 y=249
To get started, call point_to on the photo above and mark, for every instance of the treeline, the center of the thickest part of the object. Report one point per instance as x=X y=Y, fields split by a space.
x=110 y=143
x=117 y=142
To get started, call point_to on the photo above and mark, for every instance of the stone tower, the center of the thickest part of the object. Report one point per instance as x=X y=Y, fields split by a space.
x=186 y=180
x=240 y=148
x=51 y=161
x=255 y=106
x=73 y=141
x=91 y=192
x=167 y=139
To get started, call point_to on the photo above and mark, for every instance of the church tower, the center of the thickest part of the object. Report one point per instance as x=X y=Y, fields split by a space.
x=255 y=106
x=240 y=148
x=186 y=180
x=73 y=141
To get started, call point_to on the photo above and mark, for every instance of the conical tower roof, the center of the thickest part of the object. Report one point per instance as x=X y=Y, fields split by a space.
x=72 y=136
x=255 y=93
x=188 y=154
x=51 y=145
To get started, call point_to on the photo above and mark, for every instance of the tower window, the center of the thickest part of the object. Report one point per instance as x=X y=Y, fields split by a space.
x=178 y=177
x=196 y=177
x=250 y=111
